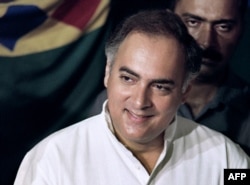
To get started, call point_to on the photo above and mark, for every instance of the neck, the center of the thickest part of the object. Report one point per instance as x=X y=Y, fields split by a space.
x=203 y=91
x=147 y=153
x=148 y=158
x=200 y=95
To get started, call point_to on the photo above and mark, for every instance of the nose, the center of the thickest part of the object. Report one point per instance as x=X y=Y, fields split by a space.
x=207 y=37
x=141 y=98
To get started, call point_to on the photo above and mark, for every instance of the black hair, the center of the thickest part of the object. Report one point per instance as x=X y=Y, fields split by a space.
x=155 y=23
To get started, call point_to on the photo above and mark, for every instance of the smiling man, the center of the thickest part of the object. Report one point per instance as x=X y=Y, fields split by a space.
x=143 y=100
x=138 y=138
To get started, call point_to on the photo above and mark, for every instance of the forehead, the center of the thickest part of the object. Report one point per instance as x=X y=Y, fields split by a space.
x=152 y=56
x=209 y=9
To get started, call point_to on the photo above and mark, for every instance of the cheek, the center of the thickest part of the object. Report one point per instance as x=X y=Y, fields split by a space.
x=116 y=88
x=228 y=45
x=116 y=92
x=193 y=32
x=168 y=104
x=229 y=41
x=227 y=49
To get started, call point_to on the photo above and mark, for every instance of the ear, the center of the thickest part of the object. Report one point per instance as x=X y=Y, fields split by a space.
x=185 y=93
x=107 y=73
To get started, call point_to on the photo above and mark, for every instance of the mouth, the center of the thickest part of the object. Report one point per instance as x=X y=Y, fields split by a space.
x=208 y=62
x=138 y=117
x=211 y=57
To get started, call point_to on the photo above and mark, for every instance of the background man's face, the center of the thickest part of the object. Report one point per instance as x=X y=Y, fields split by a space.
x=216 y=26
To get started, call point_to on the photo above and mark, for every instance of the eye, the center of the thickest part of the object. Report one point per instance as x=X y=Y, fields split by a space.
x=162 y=88
x=126 y=79
x=190 y=22
x=224 y=27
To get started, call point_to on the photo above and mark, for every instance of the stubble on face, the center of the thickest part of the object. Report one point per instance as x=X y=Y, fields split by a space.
x=216 y=26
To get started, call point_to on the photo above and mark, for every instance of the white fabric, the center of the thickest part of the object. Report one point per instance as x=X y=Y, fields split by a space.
x=88 y=153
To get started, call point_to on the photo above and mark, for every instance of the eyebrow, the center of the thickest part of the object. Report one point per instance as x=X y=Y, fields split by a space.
x=127 y=70
x=231 y=21
x=163 y=81
x=193 y=16
x=158 y=81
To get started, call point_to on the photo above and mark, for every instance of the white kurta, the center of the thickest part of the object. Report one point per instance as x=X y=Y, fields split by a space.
x=88 y=153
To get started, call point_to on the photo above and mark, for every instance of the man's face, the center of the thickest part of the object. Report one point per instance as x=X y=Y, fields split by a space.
x=216 y=26
x=144 y=87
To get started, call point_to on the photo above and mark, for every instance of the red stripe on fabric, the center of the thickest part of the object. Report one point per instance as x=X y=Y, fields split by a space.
x=76 y=12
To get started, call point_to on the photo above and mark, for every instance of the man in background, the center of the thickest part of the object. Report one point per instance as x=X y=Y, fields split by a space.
x=218 y=98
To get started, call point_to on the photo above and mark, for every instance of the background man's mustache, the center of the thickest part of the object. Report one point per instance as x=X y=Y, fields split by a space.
x=211 y=54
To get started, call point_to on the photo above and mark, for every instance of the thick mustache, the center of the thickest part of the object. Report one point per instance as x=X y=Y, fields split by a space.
x=211 y=54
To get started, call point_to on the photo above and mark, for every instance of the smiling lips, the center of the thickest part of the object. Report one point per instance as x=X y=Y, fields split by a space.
x=138 y=118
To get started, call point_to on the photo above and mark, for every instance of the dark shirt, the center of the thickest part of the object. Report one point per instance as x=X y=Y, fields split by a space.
x=228 y=112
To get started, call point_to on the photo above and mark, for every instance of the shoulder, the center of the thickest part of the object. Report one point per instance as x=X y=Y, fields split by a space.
x=207 y=142
x=85 y=125
x=67 y=148
x=236 y=89
x=192 y=129
x=70 y=137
